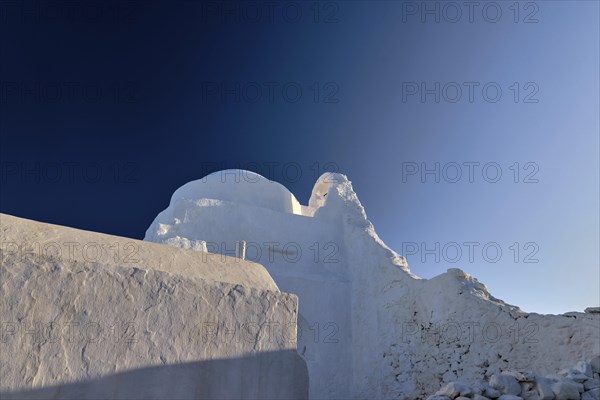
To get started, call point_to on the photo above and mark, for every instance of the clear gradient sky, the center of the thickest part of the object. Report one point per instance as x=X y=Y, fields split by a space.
x=106 y=110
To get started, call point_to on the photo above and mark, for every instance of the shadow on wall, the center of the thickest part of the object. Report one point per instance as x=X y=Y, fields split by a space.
x=268 y=375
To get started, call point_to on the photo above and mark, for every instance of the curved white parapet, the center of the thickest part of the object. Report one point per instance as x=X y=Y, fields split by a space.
x=86 y=315
x=369 y=328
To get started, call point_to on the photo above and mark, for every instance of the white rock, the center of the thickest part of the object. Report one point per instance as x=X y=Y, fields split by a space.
x=506 y=384
x=591 y=384
x=453 y=389
x=584 y=368
x=528 y=391
x=566 y=390
x=521 y=376
x=595 y=364
x=526 y=386
x=578 y=377
x=492 y=393
x=479 y=397
x=531 y=395
x=544 y=389
x=509 y=397
x=593 y=394
x=477 y=389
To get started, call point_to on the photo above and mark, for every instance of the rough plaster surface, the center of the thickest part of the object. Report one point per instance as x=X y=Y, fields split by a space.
x=155 y=321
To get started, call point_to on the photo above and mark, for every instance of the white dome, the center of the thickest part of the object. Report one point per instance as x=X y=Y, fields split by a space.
x=240 y=186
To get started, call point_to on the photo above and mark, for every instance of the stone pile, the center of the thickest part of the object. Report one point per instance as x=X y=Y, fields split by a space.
x=582 y=382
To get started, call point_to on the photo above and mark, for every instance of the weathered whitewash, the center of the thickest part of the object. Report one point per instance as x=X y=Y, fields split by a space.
x=368 y=327
x=86 y=316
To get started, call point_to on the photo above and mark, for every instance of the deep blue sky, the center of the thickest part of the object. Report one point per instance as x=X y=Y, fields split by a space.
x=107 y=107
